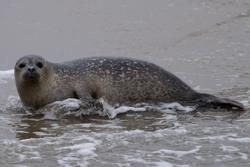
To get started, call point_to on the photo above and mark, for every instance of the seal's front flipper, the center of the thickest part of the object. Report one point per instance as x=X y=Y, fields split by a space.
x=207 y=100
x=91 y=104
x=87 y=101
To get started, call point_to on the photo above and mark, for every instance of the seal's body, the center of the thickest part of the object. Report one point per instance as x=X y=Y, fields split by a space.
x=117 y=80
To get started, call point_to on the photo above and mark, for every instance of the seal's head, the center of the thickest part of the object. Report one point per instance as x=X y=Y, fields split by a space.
x=31 y=69
x=32 y=76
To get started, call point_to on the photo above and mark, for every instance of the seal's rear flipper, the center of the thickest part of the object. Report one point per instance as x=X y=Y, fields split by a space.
x=207 y=100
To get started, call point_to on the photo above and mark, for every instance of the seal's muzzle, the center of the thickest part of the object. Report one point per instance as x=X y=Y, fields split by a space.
x=31 y=74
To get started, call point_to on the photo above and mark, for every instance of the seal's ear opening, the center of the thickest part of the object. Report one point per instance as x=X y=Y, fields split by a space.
x=211 y=101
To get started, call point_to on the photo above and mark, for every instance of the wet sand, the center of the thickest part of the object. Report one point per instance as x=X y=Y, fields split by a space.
x=205 y=43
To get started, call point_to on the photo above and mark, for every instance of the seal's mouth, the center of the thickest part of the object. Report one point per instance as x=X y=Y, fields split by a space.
x=31 y=76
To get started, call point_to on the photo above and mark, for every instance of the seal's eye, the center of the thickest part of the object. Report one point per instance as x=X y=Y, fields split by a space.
x=22 y=65
x=39 y=64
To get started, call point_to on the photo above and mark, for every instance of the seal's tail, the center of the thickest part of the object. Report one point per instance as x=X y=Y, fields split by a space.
x=207 y=100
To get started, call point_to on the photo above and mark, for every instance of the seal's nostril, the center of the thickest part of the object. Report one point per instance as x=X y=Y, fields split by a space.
x=31 y=69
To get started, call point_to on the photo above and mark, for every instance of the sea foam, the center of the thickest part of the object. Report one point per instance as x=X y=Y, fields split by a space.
x=7 y=74
x=73 y=107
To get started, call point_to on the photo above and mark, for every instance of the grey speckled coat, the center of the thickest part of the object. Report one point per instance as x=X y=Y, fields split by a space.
x=117 y=80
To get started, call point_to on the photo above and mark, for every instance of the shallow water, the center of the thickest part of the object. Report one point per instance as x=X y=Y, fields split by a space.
x=206 y=43
x=129 y=139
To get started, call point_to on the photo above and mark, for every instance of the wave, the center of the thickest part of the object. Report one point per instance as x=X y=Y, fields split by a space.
x=7 y=74
x=72 y=108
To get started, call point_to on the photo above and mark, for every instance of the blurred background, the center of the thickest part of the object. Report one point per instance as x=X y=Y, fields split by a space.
x=205 y=42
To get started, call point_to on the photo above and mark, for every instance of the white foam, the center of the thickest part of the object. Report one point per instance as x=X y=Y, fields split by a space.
x=19 y=150
x=243 y=156
x=135 y=158
x=58 y=109
x=105 y=126
x=14 y=100
x=82 y=149
x=245 y=102
x=234 y=150
x=69 y=104
x=73 y=107
x=241 y=140
x=78 y=154
x=243 y=120
x=8 y=74
x=163 y=164
x=178 y=153
x=219 y=137
x=112 y=112
x=14 y=105
x=228 y=148
x=166 y=107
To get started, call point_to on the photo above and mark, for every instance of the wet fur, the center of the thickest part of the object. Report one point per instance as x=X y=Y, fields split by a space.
x=117 y=80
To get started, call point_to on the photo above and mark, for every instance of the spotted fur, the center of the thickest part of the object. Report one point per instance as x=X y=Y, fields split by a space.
x=117 y=80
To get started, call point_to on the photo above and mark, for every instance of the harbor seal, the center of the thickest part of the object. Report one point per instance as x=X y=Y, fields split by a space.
x=116 y=80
